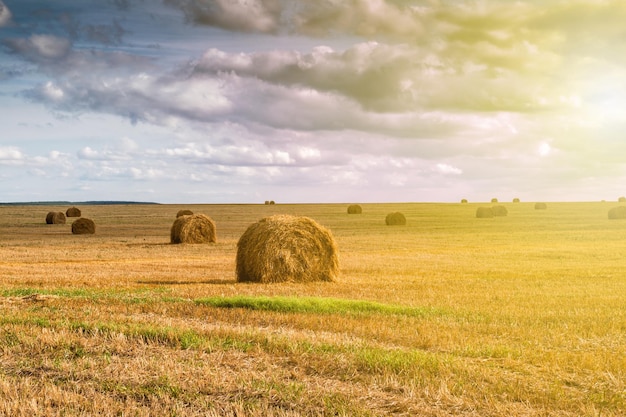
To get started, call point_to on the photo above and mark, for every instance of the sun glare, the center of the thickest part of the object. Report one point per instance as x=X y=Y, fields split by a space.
x=544 y=149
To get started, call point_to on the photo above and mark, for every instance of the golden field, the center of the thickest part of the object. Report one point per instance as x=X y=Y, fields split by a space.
x=450 y=315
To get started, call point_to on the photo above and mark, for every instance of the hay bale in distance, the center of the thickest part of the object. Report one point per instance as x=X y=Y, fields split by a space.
x=73 y=212
x=499 y=211
x=516 y=200
x=195 y=228
x=622 y=200
x=286 y=248
x=484 y=212
x=184 y=213
x=83 y=226
x=395 y=219
x=272 y=202
x=354 y=209
x=541 y=206
x=55 y=217
x=494 y=200
x=464 y=201
x=617 y=213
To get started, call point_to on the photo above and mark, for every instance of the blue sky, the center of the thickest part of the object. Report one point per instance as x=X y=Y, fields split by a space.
x=242 y=101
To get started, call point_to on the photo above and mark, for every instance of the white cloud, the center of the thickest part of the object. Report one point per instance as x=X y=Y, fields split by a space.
x=448 y=169
x=10 y=154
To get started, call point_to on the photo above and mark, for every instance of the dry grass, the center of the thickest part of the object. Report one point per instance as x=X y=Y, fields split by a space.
x=422 y=321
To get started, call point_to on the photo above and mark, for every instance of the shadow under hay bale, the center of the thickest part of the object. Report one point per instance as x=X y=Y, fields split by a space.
x=484 y=212
x=617 y=213
x=73 y=212
x=55 y=217
x=499 y=211
x=83 y=226
x=195 y=228
x=395 y=219
x=184 y=213
x=541 y=206
x=286 y=248
x=354 y=209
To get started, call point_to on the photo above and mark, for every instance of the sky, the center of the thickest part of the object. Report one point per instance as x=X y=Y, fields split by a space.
x=300 y=101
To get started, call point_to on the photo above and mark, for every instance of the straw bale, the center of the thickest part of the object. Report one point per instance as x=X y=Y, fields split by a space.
x=73 y=212
x=286 y=248
x=83 y=226
x=484 y=212
x=195 y=228
x=55 y=217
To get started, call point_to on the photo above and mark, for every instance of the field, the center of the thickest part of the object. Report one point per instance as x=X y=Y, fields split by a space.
x=450 y=315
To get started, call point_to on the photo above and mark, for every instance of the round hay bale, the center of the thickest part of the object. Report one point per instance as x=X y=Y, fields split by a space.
x=395 y=219
x=83 y=226
x=541 y=206
x=55 y=217
x=516 y=200
x=267 y=202
x=354 y=209
x=617 y=213
x=184 y=213
x=73 y=212
x=286 y=248
x=272 y=202
x=195 y=228
x=494 y=200
x=484 y=212
x=464 y=201
x=622 y=200
x=499 y=211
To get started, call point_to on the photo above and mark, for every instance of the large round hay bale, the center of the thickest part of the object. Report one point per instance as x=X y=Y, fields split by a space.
x=464 y=200
x=73 y=212
x=516 y=200
x=83 y=226
x=541 y=206
x=354 y=209
x=395 y=219
x=499 y=211
x=55 y=217
x=195 y=228
x=285 y=248
x=622 y=200
x=494 y=200
x=617 y=213
x=184 y=213
x=484 y=212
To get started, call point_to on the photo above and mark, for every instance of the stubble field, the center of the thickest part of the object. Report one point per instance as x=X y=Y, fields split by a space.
x=450 y=315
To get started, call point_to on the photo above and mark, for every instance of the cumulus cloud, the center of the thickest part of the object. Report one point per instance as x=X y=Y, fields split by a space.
x=5 y=14
x=10 y=154
x=40 y=48
x=240 y=15
x=319 y=18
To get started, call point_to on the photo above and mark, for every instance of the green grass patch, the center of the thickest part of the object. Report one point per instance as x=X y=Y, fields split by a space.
x=317 y=305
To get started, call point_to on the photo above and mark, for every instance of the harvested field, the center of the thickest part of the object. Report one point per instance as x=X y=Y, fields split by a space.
x=447 y=316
